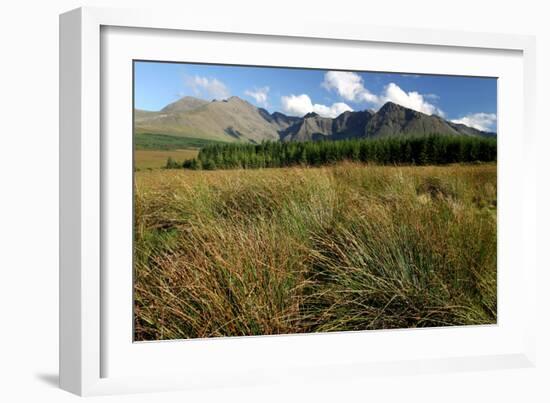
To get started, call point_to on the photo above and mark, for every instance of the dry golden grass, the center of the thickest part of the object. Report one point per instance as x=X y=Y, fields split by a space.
x=291 y=250
x=152 y=159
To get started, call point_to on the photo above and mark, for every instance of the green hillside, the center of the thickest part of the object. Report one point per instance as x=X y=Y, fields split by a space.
x=155 y=141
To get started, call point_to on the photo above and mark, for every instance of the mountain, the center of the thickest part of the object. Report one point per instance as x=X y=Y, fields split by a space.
x=470 y=131
x=184 y=104
x=310 y=127
x=315 y=127
x=393 y=119
x=353 y=123
x=283 y=121
x=235 y=119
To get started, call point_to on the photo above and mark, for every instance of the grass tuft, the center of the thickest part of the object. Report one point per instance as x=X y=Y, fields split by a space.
x=293 y=250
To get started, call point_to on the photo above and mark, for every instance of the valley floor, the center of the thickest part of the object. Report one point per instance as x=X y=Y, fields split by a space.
x=156 y=159
x=293 y=250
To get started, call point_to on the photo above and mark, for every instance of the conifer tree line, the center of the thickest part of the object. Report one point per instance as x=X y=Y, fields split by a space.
x=425 y=150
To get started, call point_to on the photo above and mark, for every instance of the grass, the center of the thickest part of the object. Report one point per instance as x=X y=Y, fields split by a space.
x=153 y=159
x=293 y=250
x=154 y=141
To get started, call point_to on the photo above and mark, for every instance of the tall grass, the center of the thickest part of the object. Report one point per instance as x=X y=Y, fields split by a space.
x=292 y=250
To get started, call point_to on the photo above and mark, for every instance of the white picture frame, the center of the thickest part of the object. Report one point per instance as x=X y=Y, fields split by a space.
x=93 y=347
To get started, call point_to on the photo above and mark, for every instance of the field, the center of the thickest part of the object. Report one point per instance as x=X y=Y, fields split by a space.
x=155 y=141
x=151 y=159
x=349 y=246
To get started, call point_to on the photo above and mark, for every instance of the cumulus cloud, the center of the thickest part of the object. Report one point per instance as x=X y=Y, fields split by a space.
x=349 y=86
x=299 y=105
x=411 y=100
x=336 y=109
x=259 y=95
x=479 y=121
x=210 y=87
x=435 y=97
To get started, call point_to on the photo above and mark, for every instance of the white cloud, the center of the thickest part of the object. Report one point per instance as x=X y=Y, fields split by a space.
x=411 y=100
x=479 y=121
x=435 y=97
x=259 y=95
x=349 y=86
x=332 y=111
x=299 y=105
x=210 y=87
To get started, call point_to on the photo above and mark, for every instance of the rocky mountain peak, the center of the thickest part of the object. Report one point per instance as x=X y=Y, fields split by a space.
x=235 y=119
x=311 y=115
x=389 y=107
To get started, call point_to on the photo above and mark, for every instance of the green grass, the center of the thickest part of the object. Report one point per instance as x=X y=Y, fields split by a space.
x=156 y=159
x=294 y=250
x=153 y=141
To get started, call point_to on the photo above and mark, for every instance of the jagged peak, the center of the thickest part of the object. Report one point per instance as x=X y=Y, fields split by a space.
x=347 y=113
x=311 y=115
x=388 y=106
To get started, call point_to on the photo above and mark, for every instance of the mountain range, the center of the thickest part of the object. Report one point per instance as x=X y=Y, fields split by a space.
x=235 y=119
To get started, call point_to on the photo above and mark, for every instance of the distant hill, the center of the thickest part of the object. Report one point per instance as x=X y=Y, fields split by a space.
x=235 y=119
x=184 y=104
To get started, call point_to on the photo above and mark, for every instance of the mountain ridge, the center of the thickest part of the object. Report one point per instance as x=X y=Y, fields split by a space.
x=235 y=119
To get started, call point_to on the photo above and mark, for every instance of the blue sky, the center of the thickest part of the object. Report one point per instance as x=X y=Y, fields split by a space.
x=468 y=100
